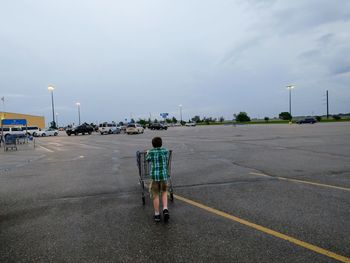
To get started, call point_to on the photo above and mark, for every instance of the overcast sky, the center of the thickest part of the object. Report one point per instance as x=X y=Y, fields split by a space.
x=136 y=58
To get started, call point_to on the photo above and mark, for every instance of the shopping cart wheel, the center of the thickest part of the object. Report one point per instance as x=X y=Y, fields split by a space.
x=171 y=197
x=143 y=200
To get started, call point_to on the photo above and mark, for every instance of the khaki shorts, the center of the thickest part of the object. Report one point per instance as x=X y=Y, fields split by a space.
x=157 y=187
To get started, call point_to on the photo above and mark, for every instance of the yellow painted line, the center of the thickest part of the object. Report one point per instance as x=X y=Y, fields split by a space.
x=260 y=174
x=266 y=230
x=46 y=149
x=303 y=182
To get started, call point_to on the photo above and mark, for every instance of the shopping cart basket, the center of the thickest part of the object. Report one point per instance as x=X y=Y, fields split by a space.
x=10 y=142
x=144 y=172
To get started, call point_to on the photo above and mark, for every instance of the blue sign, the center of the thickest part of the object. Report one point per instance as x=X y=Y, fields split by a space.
x=14 y=122
x=164 y=115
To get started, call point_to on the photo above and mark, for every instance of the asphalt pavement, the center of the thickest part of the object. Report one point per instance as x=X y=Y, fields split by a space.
x=247 y=193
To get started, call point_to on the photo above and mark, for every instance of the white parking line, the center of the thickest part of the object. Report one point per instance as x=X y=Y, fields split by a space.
x=46 y=149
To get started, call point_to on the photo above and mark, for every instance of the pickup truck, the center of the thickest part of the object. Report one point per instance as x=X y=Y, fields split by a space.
x=84 y=128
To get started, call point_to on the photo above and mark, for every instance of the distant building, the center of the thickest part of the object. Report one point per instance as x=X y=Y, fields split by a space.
x=32 y=120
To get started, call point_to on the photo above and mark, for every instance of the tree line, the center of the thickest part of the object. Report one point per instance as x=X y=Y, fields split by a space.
x=240 y=117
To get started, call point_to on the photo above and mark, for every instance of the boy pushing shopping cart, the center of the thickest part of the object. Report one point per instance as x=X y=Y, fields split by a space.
x=155 y=165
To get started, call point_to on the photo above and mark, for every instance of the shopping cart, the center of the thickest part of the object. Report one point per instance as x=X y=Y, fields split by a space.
x=144 y=172
x=10 y=142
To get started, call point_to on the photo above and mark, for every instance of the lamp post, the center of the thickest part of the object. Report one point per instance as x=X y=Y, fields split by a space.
x=51 y=89
x=78 y=104
x=290 y=87
x=180 y=106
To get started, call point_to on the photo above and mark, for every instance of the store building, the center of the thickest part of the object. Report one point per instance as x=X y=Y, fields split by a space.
x=32 y=120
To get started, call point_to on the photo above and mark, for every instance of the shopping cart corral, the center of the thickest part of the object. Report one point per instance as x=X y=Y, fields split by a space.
x=145 y=177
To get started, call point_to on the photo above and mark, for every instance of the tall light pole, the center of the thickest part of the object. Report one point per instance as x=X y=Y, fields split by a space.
x=78 y=104
x=290 y=87
x=51 y=89
x=327 y=105
x=180 y=106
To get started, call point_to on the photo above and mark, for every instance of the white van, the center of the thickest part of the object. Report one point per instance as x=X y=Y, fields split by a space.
x=11 y=130
x=108 y=128
x=30 y=130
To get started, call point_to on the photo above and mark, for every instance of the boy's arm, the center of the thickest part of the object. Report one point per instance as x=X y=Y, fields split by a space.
x=148 y=157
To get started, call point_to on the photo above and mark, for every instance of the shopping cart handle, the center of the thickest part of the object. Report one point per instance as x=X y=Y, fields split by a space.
x=138 y=158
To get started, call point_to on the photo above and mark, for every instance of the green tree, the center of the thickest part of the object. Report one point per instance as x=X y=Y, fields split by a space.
x=242 y=117
x=285 y=116
x=222 y=119
x=336 y=117
x=207 y=120
x=196 y=119
x=318 y=118
x=142 y=122
x=266 y=119
x=174 y=120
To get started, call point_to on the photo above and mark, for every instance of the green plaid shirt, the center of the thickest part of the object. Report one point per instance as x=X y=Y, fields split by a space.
x=158 y=157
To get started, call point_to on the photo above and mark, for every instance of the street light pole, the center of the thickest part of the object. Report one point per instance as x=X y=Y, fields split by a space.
x=327 y=105
x=290 y=87
x=51 y=89
x=180 y=113
x=78 y=104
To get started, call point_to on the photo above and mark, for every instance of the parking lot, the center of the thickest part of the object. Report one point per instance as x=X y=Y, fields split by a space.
x=249 y=193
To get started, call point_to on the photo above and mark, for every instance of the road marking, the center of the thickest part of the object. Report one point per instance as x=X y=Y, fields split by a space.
x=266 y=230
x=46 y=149
x=302 y=181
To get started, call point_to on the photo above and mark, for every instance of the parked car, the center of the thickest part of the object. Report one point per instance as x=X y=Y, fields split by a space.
x=310 y=120
x=108 y=128
x=190 y=124
x=84 y=128
x=158 y=126
x=11 y=131
x=122 y=128
x=46 y=132
x=30 y=130
x=134 y=128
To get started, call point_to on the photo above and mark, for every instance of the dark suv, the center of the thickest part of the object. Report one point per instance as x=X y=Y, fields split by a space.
x=158 y=126
x=84 y=128
x=307 y=120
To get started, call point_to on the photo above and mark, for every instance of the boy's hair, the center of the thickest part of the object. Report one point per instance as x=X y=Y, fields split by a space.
x=157 y=142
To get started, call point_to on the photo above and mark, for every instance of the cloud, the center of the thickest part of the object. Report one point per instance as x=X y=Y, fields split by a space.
x=298 y=16
x=341 y=67
x=209 y=55
x=326 y=39
x=20 y=96
x=241 y=48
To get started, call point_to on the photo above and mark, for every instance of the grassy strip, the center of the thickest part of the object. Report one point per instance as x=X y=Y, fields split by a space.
x=264 y=122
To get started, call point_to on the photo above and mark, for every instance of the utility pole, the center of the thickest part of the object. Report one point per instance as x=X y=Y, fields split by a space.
x=327 y=104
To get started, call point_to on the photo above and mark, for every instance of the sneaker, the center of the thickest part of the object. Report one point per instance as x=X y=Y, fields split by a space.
x=166 y=215
x=157 y=218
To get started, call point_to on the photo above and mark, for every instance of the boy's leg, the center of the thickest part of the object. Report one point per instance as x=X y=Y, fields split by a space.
x=154 y=189
x=156 y=204
x=165 y=201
